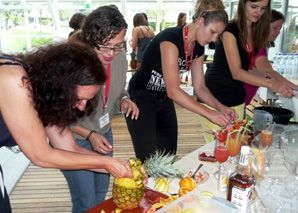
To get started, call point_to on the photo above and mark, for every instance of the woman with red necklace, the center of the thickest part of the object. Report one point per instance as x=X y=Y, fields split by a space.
x=156 y=84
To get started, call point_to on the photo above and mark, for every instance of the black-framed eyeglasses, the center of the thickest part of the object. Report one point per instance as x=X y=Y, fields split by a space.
x=103 y=48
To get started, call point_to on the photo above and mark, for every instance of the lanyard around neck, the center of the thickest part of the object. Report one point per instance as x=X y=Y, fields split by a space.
x=187 y=68
x=251 y=54
x=107 y=88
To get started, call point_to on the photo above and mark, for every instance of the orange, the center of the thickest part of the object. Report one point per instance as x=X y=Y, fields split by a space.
x=184 y=190
x=188 y=182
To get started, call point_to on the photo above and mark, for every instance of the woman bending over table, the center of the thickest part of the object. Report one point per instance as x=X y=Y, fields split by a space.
x=235 y=50
x=103 y=30
x=43 y=92
x=156 y=84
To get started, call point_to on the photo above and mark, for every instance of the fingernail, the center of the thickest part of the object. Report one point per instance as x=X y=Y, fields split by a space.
x=110 y=146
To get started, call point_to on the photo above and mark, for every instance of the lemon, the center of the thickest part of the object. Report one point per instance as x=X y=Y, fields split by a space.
x=189 y=211
x=208 y=194
x=118 y=210
x=102 y=211
x=162 y=184
x=158 y=205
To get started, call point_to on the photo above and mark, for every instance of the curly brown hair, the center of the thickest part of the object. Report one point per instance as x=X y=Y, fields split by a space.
x=101 y=25
x=53 y=74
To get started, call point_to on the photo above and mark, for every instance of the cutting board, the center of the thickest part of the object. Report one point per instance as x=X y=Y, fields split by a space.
x=150 y=196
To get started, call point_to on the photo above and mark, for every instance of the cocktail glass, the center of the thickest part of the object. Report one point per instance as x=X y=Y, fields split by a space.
x=221 y=152
x=234 y=144
x=267 y=133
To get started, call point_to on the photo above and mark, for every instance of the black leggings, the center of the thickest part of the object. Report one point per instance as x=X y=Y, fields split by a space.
x=156 y=127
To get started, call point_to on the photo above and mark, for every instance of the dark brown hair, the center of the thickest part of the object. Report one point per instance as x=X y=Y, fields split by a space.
x=101 y=25
x=179 y=21
x=139 y=19
x=76 y=21
x=261 y=29
x=53 y=74
x=275 y=16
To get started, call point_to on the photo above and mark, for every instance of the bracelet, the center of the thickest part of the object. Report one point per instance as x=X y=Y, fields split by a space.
x=89 y=135
x=124 y=97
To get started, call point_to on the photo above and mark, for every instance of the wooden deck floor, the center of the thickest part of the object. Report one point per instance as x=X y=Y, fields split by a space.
x=45 y=190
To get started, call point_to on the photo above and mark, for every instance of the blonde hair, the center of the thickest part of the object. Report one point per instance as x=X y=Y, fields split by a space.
x=211 y=11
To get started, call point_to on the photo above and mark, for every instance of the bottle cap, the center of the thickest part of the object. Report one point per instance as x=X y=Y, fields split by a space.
x=245 y=150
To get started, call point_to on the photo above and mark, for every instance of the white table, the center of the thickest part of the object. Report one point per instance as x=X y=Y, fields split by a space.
x=191 y=161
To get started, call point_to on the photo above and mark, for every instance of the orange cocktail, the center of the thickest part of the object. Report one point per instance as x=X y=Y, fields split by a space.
x=266 y=138
x=234 y=143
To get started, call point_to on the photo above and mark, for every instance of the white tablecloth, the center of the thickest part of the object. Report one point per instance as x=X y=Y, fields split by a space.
x=191 y=161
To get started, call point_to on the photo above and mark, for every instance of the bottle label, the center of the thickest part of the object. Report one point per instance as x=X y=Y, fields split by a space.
x=222 y=181
x=242 y=198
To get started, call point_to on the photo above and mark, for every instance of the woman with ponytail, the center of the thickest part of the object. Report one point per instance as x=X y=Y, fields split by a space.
x=156 y=84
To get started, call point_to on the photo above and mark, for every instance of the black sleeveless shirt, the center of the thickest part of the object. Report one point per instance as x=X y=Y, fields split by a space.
x=6 y=138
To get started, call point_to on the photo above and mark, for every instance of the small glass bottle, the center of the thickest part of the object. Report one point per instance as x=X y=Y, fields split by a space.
x=241 y=183
x=222 y=181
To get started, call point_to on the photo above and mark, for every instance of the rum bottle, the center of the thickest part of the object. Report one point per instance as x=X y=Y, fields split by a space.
x=241 y=183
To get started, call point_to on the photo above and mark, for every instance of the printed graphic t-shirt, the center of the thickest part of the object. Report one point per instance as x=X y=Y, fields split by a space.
x=149 y=76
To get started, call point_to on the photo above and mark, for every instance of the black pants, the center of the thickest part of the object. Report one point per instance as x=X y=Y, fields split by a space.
x=156 y=127
x=4 y=201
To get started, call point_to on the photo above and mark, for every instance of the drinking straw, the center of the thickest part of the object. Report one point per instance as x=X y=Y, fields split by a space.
x=233 y=117
x=212 y=131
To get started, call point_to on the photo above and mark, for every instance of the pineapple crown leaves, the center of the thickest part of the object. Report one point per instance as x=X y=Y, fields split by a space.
x=133 y=54
x=161 y=165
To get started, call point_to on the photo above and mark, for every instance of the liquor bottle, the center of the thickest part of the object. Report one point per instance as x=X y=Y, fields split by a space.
x=241 y=183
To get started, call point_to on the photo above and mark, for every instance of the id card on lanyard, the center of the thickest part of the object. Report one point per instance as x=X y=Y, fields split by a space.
x=188 y=90
x=105 y=118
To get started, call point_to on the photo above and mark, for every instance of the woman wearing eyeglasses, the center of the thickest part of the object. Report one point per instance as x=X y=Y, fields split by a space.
x=104 y=30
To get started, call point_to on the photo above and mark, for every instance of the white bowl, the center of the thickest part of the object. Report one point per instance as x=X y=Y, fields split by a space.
x=275 y=185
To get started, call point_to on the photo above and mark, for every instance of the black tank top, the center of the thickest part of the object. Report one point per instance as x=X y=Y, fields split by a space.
x=6 y=138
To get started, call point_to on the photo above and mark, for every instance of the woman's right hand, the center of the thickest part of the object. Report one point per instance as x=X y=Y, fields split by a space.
x=119 y=168
x=220 y=118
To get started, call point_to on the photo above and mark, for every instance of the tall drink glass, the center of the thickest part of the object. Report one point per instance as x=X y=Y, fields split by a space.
x=234 y=144
x=267 y=133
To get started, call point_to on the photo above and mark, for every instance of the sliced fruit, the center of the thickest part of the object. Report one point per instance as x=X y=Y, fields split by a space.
x=188 y=182
x=158 y=205
x=118 y=210
x=166 y=201
x=162 y=184
x=151 y=209
x=184 y=190
x=208 y=194
x=189 y=211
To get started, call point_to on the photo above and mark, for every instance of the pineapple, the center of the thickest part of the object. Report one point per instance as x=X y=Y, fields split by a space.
x=128 y=193
x=133 y=61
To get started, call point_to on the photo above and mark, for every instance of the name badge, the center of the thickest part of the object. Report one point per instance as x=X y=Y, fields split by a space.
x=188 y=90
x=104 y=120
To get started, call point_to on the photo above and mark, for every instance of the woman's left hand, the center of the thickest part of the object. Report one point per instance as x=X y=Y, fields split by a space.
x=127 y=106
